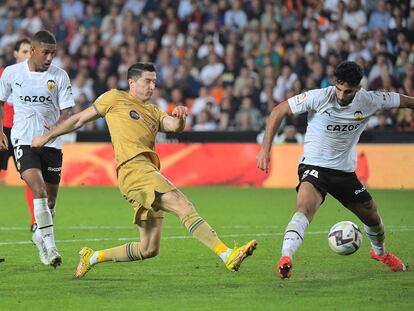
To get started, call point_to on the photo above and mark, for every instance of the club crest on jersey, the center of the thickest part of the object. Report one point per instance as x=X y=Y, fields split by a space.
x=301 y=97
x=51 y=85
x=134 y=115
x=358 y=115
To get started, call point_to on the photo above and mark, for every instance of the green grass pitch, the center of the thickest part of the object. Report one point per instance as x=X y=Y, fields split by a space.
x=186 y=275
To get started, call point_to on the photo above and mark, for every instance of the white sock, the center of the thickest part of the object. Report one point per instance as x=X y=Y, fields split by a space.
x=225 y=255
x=376 y=236
x=38 y=234
x=294 y=234
x=44 y=222
x=94 y=258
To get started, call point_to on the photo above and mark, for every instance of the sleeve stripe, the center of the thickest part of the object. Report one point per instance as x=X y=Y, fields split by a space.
x=96 y=109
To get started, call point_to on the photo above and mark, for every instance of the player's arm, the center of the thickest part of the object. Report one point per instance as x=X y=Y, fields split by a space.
x=176 y=122
x=406 y=102
x=4 y=145
x=69 y=125
x=5 y=90
x=64 y=115
x=272 y=126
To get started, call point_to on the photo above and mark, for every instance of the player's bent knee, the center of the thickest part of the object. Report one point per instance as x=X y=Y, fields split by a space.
x=38 y=192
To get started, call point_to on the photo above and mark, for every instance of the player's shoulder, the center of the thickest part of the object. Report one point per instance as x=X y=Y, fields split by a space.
x=57 y=71
x=367 y=96
x=115 y=95
x=108 y=96
x=15 y=68
x=323 y=93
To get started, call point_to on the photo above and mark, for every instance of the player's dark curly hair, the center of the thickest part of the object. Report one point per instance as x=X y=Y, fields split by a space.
x=348 y=72
x=136 y=70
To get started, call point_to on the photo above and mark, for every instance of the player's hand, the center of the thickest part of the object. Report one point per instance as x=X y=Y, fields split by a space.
x=180 y=112
x=4 y=144
x=262 y=160
x=39 y=141
x=49 y=127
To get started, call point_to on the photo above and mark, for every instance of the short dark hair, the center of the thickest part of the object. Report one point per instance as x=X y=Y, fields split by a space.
x=20 y=42
x=44 y=36
x=348 y=72
x=136 y=70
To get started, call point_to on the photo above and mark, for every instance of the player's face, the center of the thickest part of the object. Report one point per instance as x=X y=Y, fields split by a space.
x=345 y=93
x=144 y=86
x=23 y=53
x=42 y=55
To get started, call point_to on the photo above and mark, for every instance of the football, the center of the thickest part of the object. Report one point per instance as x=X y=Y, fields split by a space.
x=344 y=238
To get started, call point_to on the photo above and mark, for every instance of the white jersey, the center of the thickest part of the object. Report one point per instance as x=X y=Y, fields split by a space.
x=37 y=98
x=333 y=131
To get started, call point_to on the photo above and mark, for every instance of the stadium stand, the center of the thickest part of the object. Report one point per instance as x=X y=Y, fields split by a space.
x=230 y=62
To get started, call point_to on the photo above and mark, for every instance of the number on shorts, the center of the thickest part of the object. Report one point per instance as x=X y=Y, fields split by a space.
x=18 y=152
x=313 y=173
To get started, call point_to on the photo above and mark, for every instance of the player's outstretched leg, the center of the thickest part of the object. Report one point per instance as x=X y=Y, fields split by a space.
x=84 y=264
x=292 y=240
x=392 y=261
x=124 y=253
x=376 y=235
x=202 y=231
x=238 y=254
x=285 y=267
x=176 y=203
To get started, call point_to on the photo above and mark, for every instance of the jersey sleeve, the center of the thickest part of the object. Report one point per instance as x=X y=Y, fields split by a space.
x=161 y=113
x=385 y=100
x=104 y=103
x=304 y=102
x=65 y=95
x=5 y=84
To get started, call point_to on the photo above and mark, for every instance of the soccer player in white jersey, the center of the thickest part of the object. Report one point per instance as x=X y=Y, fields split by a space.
x=337 y=115
x=42 y=98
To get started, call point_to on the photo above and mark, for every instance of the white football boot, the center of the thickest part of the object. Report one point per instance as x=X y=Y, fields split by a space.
x=38 y=241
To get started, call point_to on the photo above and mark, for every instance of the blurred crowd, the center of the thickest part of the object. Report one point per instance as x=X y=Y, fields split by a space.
x=229 y=61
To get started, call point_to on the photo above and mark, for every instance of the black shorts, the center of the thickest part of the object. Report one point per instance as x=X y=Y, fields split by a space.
x=343 y=186
x=6 y=154
x=48 y=160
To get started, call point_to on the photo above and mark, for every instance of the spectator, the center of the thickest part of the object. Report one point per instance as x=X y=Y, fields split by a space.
x=380 y=18
x=235 y=17
x=204 y=122
x=72 y=8
x=112 y=17
x=83 y=85
x=405 y=120
x=31 y=23
x=248 y=118
x=289 y=136
x=201 y=101
x=211 y=72
x=354 y=17
x=9 y=37
x=134 y=6
x=284 y=83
